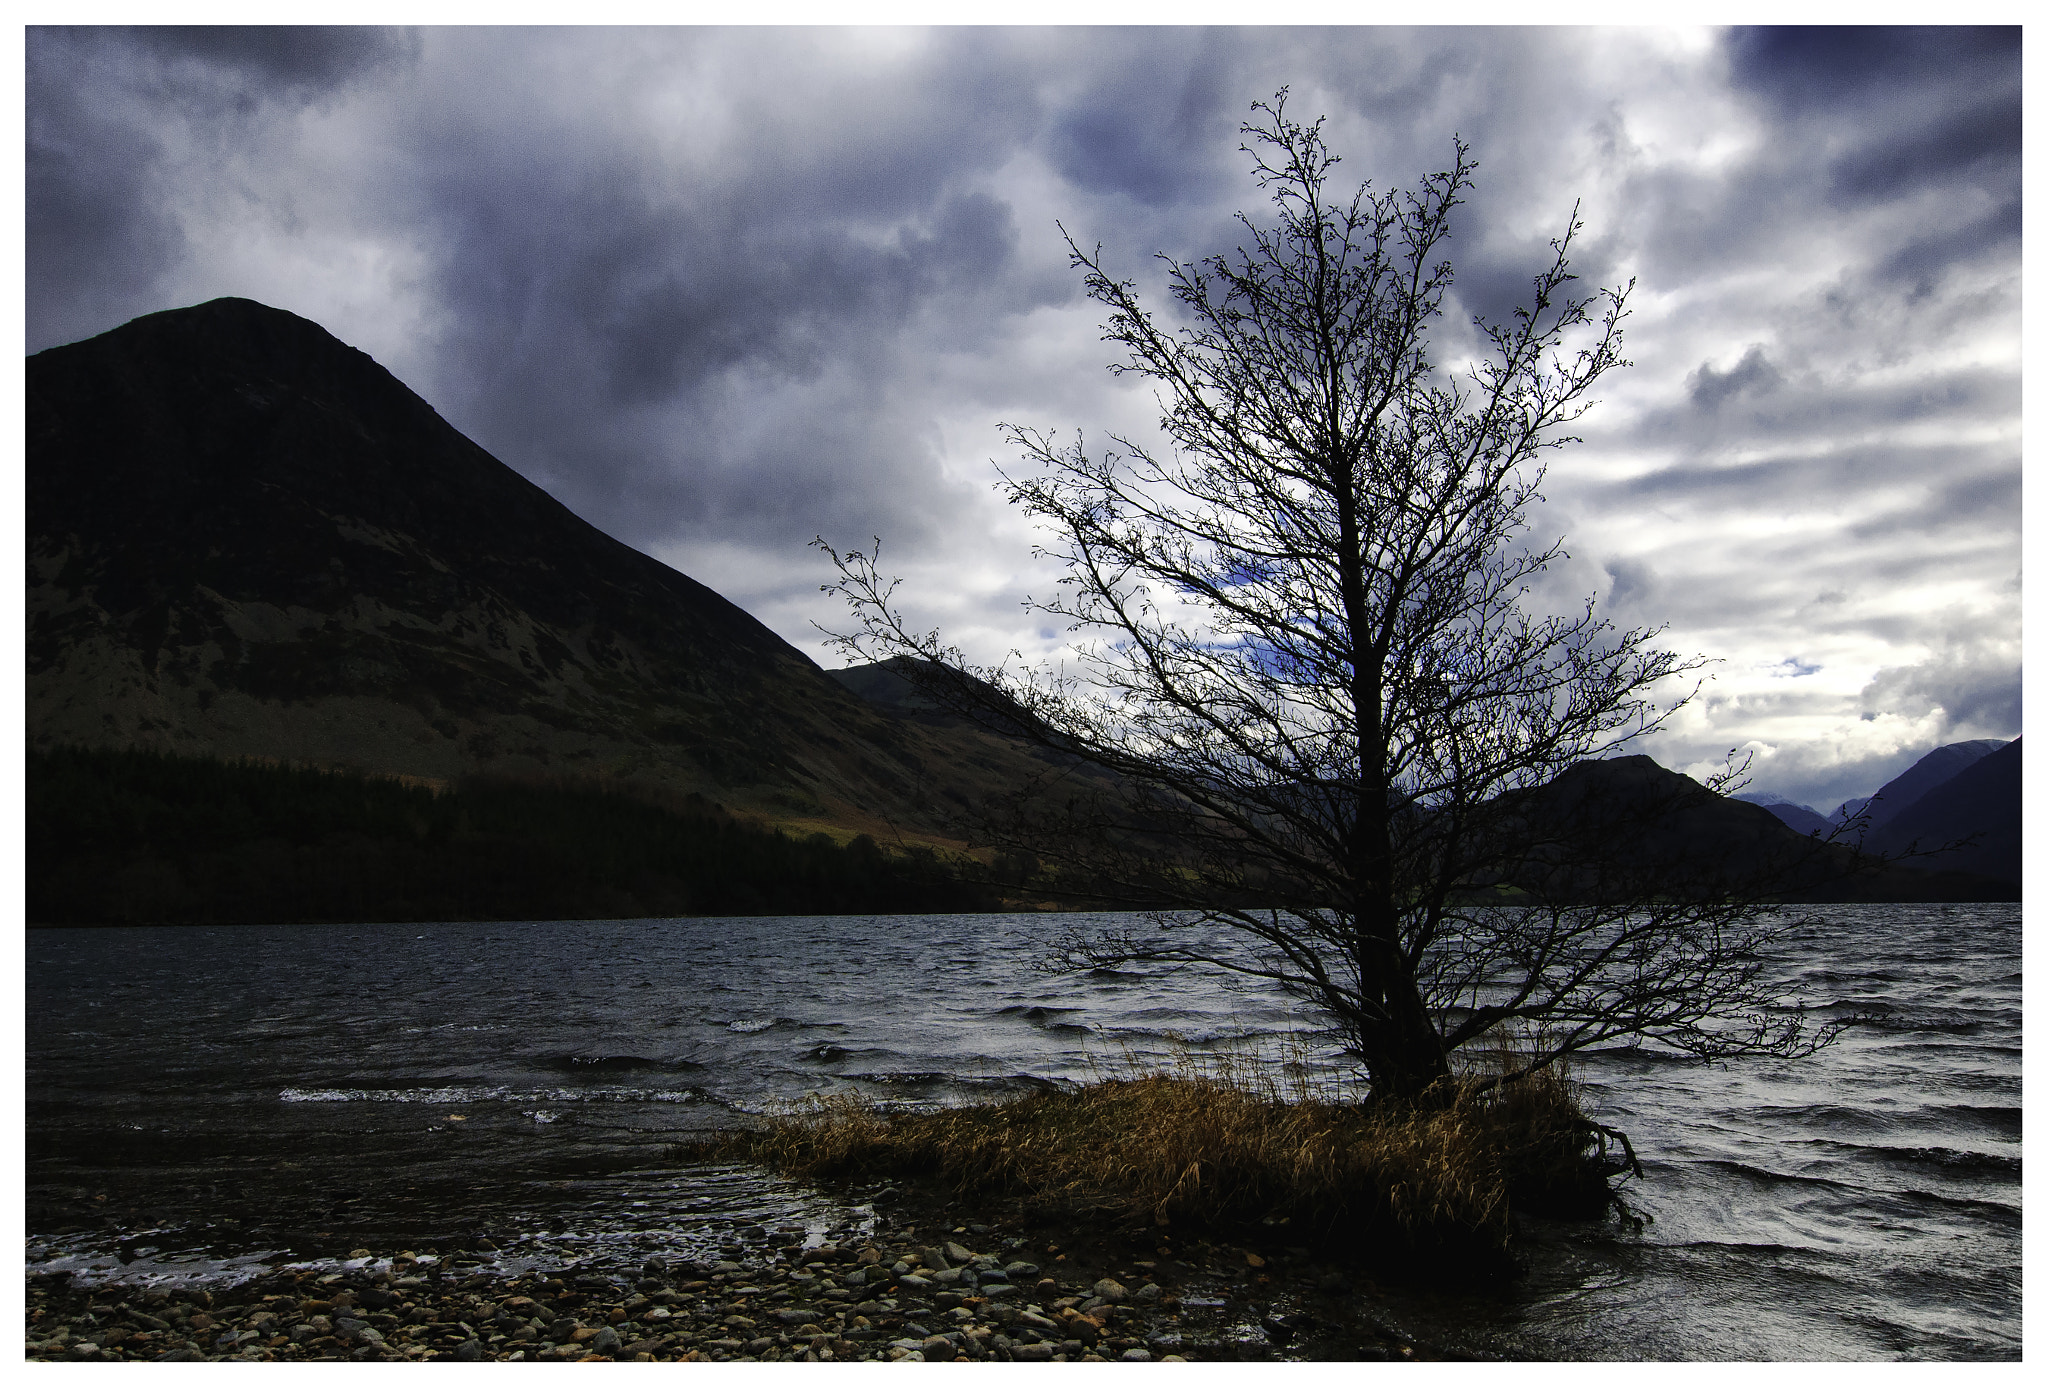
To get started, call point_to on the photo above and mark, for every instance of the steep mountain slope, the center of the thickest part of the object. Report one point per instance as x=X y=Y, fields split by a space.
x=1981 y=801
x=1899 y=793
x=246 y=538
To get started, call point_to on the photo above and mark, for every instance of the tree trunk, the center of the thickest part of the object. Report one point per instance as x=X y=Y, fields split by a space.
x=1404 y=1065
x=1403 y=1054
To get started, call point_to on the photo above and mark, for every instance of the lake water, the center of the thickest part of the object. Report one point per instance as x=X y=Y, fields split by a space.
x=201 y=1100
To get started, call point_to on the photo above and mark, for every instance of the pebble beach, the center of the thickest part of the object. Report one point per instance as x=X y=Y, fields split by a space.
x=916 y=1287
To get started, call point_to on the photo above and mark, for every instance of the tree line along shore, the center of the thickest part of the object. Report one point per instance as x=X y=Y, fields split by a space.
x=135 y=837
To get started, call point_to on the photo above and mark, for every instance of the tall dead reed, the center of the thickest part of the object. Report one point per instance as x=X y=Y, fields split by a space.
x=1222 y=1142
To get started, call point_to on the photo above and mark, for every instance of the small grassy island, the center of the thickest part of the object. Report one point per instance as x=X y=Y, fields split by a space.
x=1423 y=1185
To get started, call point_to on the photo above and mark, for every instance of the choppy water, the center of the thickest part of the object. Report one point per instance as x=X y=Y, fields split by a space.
x=202 y=1099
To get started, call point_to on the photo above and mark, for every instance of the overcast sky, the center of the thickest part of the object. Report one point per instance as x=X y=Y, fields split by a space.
x=720 y=291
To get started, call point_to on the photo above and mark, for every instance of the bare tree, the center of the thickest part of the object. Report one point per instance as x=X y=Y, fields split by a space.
x=1306 y=654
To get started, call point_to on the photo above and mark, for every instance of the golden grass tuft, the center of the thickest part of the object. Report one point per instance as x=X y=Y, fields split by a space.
x=1221 y=1144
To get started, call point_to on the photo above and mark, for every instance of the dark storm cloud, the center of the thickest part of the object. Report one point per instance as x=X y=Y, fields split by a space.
x=1972 y=501
x=716 y=352
x=1954 y=147
x=1887 y=113
x=1631 y=587
x=289 y=62
x=1861 y=120
x=1924 y=260
x=619 y=331
x=671 y=304
x=1155 y=135
x=1820 y=447
x=96 y=230
x=1804 y=67
x=1754 y=374
x=103 y=108
x=1947 y=484
x=1974 y=685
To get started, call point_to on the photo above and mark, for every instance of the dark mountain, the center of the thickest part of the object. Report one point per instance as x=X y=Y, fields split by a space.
x=1630 y=829
x=1898 y=794
x=888 y=685
x=247 y=539
x=1800 y=818
x=940 y=696
x=1626 y=826
x=1981 y=801
x=1803 y=818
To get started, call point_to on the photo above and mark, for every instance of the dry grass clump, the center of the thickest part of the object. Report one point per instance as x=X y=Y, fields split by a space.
x=1220 y=1144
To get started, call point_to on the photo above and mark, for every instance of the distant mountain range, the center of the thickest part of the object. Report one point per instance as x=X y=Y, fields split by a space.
x=1804 y=818
x=1964 y=793
x=247 y=540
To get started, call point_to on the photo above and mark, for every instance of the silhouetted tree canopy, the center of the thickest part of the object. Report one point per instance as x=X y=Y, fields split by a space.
x=1303 y=642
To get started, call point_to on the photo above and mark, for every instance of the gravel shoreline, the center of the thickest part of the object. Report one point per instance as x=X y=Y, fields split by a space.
x=918 y=1286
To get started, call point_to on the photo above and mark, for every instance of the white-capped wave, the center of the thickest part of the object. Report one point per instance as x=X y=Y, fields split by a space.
x=486 y=1093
